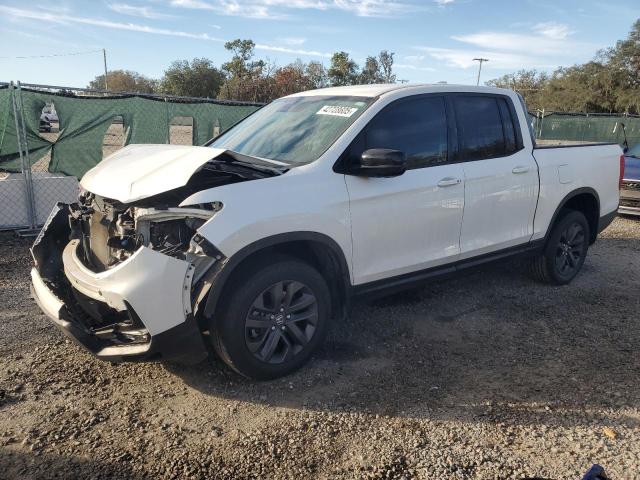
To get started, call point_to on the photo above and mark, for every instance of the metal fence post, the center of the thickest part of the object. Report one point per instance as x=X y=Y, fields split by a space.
x=24 y=159
x=26 y=164
x=585 y=128
x=166 y=116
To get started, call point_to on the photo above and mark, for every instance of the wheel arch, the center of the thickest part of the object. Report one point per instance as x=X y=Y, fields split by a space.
x=317 y=249
x=585 y=200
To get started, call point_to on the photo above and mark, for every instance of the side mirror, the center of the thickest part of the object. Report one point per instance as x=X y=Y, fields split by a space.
x=382 y=162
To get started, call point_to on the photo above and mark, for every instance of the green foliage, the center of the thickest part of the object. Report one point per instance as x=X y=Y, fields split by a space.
x=244 y=76
x=370 y=72
x=529 y=83
x=385 y=60
x=124 y=81
x=198 y=78
x=316 y=74
x=608 y=84
x=343 y=70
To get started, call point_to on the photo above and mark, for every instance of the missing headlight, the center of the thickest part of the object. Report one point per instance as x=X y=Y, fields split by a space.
x=169 y=231
x=172 y=237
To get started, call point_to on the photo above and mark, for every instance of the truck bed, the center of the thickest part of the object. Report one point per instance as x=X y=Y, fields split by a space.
x=566 y=168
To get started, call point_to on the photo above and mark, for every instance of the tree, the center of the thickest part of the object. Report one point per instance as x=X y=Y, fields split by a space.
x=370 y=72
x=385 y=59
x=623 y=61
x=291 y=79
x=243 y=51
x=125 y=81
x=243 y=75
x=316 y=75
x=528 y=83
x=198 y=78
x=581 y=88
x=343 y=70
x=610 y=83
x=378 y=70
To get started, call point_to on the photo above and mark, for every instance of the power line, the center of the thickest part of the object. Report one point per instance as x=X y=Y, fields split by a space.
x=56 y=54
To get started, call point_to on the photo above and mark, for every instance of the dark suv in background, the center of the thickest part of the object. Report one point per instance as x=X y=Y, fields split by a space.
x=630 y=188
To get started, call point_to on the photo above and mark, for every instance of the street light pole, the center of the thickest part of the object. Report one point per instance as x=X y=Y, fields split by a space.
x=104 y=57
x=480 y=60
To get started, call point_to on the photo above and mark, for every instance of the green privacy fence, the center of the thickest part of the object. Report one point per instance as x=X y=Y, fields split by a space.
x=585 y=127
x=84 y=120
x=50 y=136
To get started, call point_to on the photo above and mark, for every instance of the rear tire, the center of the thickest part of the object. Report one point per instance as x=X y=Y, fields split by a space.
x=565 y=251
x=275 y=314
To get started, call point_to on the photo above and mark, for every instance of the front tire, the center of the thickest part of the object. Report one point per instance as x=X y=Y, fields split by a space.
x=565 y=251
x=275 y=314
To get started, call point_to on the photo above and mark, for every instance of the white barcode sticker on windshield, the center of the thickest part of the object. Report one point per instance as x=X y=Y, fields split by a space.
x=337 y=111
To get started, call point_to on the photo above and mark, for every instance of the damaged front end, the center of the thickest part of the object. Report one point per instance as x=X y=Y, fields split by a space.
x=126 y=280
x=117 y=293
x=110 y=232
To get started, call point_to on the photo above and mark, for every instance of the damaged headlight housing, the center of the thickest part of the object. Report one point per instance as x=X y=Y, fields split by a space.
x=111 y=232
x=171 y=231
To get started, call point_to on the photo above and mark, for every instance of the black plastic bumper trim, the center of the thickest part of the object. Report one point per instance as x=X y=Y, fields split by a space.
x=606 y=220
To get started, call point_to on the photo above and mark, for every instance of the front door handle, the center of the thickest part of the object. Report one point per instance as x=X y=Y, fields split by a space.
x=520 y=169
x=449 y=182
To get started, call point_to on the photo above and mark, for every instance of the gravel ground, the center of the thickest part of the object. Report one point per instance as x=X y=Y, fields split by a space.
x=486 y=376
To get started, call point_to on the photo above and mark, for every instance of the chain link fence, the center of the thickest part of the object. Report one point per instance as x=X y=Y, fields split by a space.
x=51 y=135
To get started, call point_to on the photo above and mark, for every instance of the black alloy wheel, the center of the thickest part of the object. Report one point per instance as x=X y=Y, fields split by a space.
x=570 y=249
x=281 y=321
x=565 y=250
x=274 y=314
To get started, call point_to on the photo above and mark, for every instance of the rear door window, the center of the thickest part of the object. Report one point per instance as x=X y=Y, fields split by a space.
x=480 y=130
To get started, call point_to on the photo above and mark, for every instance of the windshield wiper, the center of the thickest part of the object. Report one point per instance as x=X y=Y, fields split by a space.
x=255 y=163
x=241 y=157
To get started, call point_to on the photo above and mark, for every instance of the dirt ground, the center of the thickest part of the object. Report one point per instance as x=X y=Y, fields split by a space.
x=487 y=376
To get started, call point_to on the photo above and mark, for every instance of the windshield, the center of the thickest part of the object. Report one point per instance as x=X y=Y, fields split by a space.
x=293 y=130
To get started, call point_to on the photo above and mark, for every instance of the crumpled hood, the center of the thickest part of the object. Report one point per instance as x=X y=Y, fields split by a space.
x=140 y=171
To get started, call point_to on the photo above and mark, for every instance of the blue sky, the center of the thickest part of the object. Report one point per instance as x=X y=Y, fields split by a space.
x=434 y=40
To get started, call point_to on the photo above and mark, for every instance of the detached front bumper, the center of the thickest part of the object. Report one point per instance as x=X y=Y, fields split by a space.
x=139 y=309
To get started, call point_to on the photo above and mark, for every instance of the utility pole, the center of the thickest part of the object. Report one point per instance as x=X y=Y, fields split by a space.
x=104 y=56
x=480 y=67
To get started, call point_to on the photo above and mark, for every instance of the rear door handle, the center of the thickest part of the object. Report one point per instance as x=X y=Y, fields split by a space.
x=520 y=169
x=449 y=182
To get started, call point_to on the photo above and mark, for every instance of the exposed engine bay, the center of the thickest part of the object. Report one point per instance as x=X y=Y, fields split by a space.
x=111 y=231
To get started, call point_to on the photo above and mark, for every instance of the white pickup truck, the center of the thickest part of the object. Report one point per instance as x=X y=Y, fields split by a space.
x=255 y=241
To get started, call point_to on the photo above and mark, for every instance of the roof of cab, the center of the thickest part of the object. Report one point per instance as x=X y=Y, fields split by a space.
x=380 y=89
x=352 y=90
